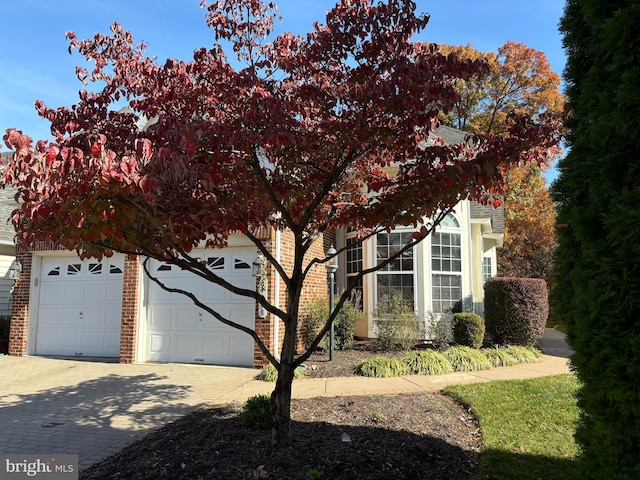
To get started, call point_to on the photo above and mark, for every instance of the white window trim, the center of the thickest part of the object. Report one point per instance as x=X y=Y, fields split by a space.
x=414 y=268
x=451 y=230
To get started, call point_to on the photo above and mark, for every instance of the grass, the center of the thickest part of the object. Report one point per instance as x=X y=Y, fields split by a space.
x=527 y=426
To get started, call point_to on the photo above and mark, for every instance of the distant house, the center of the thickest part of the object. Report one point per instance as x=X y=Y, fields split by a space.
x=7 y=245
x=110 y=308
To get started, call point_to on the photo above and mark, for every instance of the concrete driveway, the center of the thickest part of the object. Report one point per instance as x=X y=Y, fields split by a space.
x=94 y=408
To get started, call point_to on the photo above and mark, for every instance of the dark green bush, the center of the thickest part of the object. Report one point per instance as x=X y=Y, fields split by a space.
x=468 y=329
x=515 y=310
x=257 y=413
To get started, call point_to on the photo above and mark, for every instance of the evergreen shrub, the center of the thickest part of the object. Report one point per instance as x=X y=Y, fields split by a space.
x=257 y=413
x=468 y=329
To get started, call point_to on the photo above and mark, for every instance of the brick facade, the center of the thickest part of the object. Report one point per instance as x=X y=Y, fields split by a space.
x=130 y=296
x=19 y=328
x=316 y=286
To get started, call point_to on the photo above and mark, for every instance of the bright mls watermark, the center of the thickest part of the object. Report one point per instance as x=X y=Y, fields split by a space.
x=49 y=467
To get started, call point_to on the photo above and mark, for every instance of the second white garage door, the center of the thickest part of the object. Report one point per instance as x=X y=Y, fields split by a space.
x=178 y=331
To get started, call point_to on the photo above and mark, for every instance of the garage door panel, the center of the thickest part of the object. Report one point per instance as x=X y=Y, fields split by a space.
x=239 y=344
x=60 y=293
x=160 y=318
x=112 y=340
x=93 y=317
x=213 y=346
x=70 y=317
x=160 y=344
x=213 y=293
x=243 y=314
x=91 y=339
x=186 y=318
x=103 y=292
x=197 y=336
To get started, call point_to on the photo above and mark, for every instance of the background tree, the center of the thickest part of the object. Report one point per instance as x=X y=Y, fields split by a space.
x=597 y=263
x=299 y=139
x=518 y=79
x=530 y=226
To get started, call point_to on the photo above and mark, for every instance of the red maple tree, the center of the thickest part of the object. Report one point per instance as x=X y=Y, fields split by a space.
x=313 y=134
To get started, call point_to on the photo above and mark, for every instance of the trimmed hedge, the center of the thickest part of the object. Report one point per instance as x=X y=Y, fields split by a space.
x=515 y=310
x=468 y=329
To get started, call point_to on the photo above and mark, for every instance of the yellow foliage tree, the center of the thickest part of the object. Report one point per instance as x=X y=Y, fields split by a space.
x=518 y=79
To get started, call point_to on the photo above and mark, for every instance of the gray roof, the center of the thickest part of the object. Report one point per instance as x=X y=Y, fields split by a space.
x=487 y=211
x=452 y=136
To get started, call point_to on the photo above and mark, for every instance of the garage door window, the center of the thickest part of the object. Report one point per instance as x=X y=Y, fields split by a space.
x=74 y=269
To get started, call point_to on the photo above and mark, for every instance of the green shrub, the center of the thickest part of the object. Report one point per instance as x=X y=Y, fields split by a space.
x=269 y=373
x=524 y=354
x=427 y=362
x=515 y=309
x=314 y=474
x=381 y=367
x=468 y=329
x=317 y=312
x=344 y=325
x=257 y=413
x=396 y=325
x=465 y=359
x=499 y=357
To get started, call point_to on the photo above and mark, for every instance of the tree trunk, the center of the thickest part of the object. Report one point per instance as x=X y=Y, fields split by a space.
x=281 y=397
x=281 y=435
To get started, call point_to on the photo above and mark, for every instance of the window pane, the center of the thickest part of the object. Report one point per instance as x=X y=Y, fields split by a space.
x=395 y=285
x=446 y=292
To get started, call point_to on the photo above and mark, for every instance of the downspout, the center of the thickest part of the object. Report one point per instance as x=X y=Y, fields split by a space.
x=470 y=272
x=276 y=300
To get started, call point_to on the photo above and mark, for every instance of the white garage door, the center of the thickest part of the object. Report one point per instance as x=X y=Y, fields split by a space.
x=80 y=307
x=178 y=331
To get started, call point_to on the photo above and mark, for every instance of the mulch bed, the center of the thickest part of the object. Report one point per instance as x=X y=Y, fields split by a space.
x=392 y=437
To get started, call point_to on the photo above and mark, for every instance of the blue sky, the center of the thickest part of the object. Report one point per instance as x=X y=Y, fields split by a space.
x=35 y=63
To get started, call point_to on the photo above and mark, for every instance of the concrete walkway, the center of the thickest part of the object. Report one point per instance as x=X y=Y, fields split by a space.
x=553 y=362
x=94 y=408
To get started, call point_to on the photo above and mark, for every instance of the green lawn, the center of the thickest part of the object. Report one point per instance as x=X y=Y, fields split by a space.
x=527 y=426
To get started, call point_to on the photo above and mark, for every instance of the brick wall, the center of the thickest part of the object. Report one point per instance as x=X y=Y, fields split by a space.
x=316 y=282
x=130 y=295
x=19 y=328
